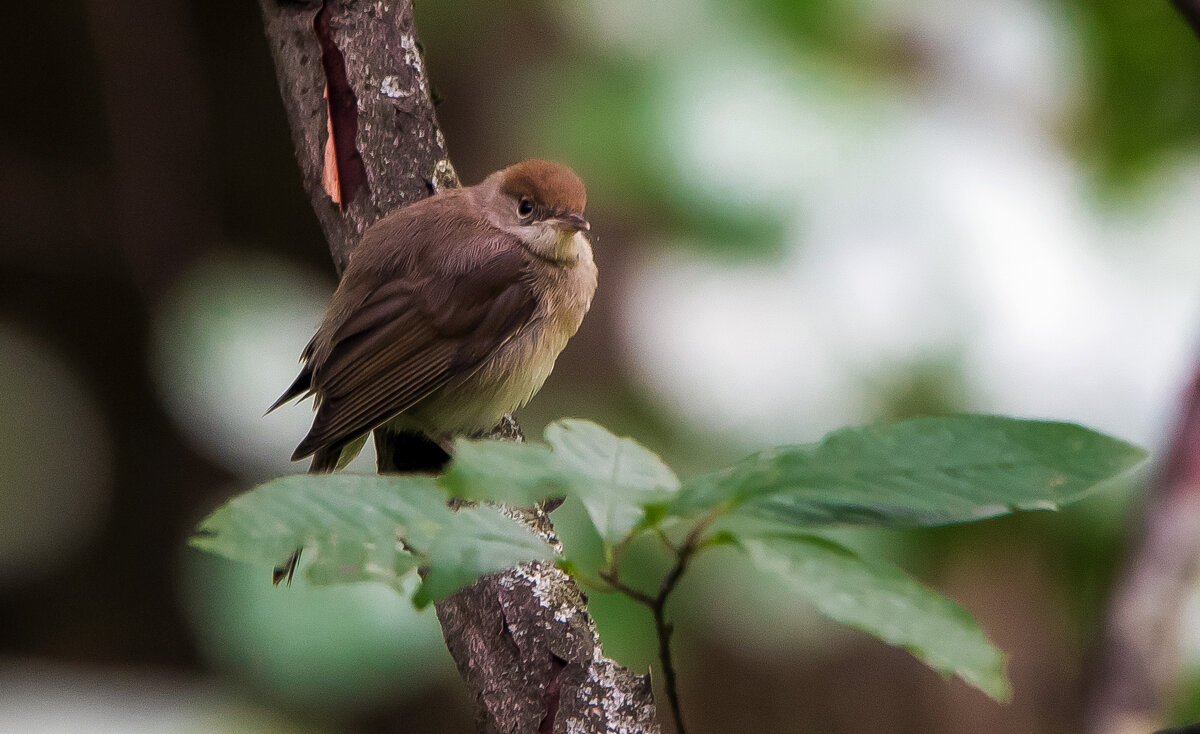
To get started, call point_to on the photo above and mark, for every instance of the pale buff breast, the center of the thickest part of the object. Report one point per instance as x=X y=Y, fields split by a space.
x=517 y=370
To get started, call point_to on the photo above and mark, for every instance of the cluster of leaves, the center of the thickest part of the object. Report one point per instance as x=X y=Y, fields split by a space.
x=919 y=472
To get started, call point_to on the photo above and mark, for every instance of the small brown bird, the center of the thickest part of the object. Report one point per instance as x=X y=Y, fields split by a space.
x=450 y=314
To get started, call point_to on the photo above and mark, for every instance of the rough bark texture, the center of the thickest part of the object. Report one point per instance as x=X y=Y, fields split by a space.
x=363 y=125
x=538 y=666
x=353 y=68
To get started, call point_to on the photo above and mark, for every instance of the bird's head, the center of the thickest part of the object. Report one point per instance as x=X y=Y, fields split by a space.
x=542 y=204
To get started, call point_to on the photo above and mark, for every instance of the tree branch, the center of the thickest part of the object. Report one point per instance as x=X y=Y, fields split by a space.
x=352 y=68
x=366 y=137
x=1140 y=657
x=537 y=666
x=1140 y=660
x=1190 y=10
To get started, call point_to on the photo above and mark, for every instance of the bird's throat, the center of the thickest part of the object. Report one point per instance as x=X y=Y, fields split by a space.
x=556 y=246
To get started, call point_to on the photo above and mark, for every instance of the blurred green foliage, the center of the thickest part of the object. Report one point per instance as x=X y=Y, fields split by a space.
x=325 y=652
x=1144 y=76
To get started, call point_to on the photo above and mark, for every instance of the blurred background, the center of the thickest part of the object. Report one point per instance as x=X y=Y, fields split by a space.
x=806 y=215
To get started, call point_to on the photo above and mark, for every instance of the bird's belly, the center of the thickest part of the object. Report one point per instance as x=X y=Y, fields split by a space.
x=505 y=382
x=516 y=370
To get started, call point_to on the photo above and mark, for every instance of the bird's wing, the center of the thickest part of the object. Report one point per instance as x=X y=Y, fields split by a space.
x=409 y=337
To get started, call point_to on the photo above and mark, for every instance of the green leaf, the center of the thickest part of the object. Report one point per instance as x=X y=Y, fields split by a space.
x=357 y=528
x=351 y=522
x=584 y=552
x=613 y=476
x=883 y=602
x=502 y=471
x=919 y=472
x=476 y=541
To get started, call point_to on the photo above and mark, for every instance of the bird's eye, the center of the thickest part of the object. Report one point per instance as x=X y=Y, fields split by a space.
x=525 y=206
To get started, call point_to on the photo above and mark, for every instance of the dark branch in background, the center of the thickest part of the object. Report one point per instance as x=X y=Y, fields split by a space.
x=164 y=174
x=1190 y=10
x=1140 y=657
x=522 y=639
x=1140 y=663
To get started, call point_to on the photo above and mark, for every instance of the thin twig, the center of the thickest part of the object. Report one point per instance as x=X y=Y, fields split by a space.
x=658 y=603
x=664 y=629
x=662 y=537
x=617 y=584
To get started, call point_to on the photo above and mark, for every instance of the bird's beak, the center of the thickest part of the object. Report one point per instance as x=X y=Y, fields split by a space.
x=571 y=223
